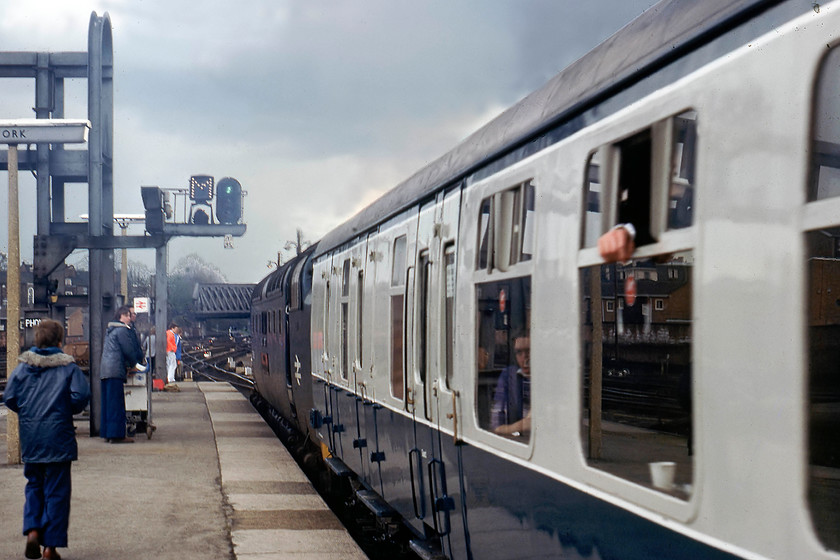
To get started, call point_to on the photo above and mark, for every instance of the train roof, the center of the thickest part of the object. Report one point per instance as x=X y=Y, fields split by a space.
x=662 y=34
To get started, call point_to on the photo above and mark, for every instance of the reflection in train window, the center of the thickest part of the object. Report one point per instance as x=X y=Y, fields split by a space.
x=503 y=357
x=825 y=150
x=637 y=369
x=824 y=383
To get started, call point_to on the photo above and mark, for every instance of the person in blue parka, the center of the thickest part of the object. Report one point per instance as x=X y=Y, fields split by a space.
x=46 y=389
x=120 y=353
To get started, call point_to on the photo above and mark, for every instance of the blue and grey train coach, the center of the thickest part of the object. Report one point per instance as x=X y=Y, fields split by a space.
x=461 y=354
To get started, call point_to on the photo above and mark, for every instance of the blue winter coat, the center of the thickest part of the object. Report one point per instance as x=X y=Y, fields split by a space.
x=120 y=351
x=46 y=389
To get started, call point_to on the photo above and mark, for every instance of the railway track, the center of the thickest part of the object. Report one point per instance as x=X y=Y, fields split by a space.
x=216 y=361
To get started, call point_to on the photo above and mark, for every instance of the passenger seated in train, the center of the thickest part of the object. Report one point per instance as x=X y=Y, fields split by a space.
x=511 y=411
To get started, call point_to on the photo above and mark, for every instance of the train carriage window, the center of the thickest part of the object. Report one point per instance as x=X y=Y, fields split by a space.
x=398 y=272
x=504 y=359
x=506 y=230
x=295 y=295
x=636 y=374
x=824 y=383
x=398 y=262
x=360 y=293
x=825 y=149
x=397 y=375
x=647 y=179
x=345 y=310
x=449 y=264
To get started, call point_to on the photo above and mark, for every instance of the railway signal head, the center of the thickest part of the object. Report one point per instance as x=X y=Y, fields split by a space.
x=154 y=201
x=228 y=201
x=201 y=188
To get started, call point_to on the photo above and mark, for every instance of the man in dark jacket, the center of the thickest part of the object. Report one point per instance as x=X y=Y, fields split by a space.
x=121 y=351
x=46 y=389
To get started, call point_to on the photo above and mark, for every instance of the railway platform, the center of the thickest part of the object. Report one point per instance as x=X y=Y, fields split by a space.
x=213 y=482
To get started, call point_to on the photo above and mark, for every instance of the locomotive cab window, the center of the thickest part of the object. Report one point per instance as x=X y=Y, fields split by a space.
x=503 y=312
x=636 y=322
x=823 y=308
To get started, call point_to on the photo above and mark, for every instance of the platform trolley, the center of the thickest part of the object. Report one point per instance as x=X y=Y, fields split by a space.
x=138 y=402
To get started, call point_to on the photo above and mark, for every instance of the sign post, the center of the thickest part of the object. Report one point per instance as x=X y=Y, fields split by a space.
x=14 y=132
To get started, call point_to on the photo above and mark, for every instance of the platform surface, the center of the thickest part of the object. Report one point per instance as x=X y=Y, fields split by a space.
x=213 y=482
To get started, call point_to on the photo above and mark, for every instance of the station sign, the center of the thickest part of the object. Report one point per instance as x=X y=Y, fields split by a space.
x=142 y=305
x=29 y=323
x=54 y=131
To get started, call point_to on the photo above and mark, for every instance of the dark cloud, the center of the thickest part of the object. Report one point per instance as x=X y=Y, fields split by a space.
x=315 y=106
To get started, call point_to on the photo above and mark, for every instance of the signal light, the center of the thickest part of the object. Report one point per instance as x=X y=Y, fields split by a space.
x=228 y=201
x=201 y=188
x=154 y=203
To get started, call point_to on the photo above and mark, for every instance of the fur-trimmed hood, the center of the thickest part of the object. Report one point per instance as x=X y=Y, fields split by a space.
x=40 y=359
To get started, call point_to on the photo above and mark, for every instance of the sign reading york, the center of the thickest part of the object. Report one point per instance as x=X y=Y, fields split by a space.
x=46 y=130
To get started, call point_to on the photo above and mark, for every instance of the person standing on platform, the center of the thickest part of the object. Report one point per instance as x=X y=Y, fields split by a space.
x=120 y=353
x=46 y=389
x=171 y=348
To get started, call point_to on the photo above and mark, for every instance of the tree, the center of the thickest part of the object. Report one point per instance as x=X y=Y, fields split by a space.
x=188 y=272
x=139 y=279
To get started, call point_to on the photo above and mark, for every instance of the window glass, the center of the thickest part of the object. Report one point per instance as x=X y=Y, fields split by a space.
x=824 y=383
x=825 y=151
x=360 y=292
x=636 y=374
x=592 y=199
x=345 y=279
x=397 y=384
x=449 y=263
x=528 y=232
x=344 y=342
x=294 y=296
x=683 y=156
x=398 y=264
x=503 y=359
x=424 y=269
x=506 y=228
x=484 y=235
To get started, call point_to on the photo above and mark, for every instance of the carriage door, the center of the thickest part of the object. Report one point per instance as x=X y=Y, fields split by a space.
x=353 y=355
x=433 y=335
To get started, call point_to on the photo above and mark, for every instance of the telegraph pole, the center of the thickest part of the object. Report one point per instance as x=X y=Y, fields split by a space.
x=13 y=307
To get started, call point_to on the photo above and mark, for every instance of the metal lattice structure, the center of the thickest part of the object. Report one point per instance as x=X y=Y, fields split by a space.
x=222 y=301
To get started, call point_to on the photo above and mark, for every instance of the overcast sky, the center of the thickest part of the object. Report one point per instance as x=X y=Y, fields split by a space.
x=316 y=107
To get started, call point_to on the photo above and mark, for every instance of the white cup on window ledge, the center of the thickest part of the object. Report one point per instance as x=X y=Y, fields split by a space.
x=662 y=474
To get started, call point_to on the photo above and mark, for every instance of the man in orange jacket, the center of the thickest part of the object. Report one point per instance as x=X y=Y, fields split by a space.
x=171 y=347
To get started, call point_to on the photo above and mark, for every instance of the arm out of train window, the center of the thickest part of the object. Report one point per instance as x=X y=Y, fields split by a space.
x=641 y=187
x=636 y=323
